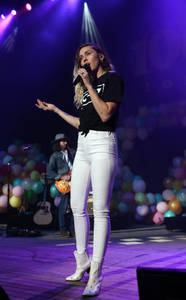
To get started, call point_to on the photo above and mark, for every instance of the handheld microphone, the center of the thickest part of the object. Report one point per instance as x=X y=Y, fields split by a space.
x=78 y=78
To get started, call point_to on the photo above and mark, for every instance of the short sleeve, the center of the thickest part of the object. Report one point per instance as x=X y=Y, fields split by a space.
x=114 y=89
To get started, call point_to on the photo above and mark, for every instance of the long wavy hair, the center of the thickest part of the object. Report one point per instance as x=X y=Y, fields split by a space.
x=105 y=64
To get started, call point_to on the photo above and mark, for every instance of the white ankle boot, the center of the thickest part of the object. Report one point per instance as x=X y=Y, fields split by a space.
x=82 y=266
x=94 y=284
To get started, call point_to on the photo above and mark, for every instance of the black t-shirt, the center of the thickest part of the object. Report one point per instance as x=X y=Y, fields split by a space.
x=110 y=88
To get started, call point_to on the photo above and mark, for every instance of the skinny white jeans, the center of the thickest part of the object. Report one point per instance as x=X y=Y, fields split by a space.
x=95 y=162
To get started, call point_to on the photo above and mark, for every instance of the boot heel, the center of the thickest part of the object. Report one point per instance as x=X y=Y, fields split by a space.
x=82 y=266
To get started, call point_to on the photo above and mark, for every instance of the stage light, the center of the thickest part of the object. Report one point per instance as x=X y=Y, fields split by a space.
x=13 y=12
x=3 y=17
x=89 y=31
x=28 y=7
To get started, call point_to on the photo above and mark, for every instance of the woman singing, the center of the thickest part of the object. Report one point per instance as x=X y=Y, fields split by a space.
x=97 y=96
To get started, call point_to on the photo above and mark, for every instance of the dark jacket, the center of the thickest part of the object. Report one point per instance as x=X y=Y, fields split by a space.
x=58 y=165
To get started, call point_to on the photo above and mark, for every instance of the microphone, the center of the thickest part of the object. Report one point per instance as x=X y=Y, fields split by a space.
x=78 y=78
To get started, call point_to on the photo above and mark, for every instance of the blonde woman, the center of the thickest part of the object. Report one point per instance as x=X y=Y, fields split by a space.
x=98 y=96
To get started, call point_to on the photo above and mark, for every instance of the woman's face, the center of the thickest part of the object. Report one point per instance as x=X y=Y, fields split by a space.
x=87 y=55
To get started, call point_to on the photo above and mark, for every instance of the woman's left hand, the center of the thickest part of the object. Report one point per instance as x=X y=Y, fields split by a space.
x=85 y=76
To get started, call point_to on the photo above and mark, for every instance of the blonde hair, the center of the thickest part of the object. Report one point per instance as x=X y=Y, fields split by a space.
x=105 y=63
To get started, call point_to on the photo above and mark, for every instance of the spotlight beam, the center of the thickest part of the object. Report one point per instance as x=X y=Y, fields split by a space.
x=89 y=30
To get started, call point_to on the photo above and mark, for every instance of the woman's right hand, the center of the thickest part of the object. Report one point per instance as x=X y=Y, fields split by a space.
x=45 y=106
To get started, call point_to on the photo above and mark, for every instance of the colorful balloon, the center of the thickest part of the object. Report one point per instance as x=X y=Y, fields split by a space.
x=18 y=191
x=37 y=187
x=15 y=202
x=158 y=218
x=162 y=207
x=3 y=201
x=5 y=189
x=57 y=201
x=168 y=195
x=140 y=198
x=53 y=191
x=175 y=206
x=35 y=175
x=169 y=214
x=139 y=186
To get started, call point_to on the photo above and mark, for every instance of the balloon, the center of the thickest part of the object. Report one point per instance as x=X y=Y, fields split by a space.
x=140 y=198
x=167 y=182
x=5 y=189
x=39 y=158
x=122 y=207
x=57 y=201
x=27 y=183
x=137 y=177
x=17 y=181
x=7 y=159
x=53 y=191
x=169 y=214
x=181 y=195
x=179 y=173
x=162 y=207
x=158 y=197
x=2 y=153
x=175 y=206
x=168 y=195
x=139 y=186
x=150 y=198
x=177 y=161
x=142 y=210
x=30 y=164
x=128 y=176
x=29 y=195
x=127 y=197
x=3 y=201
x=158 y=218
x=34 y=175
x=126 y=186
x=18 y=191
x=177 y=184
x=40 y=167
x=12 y=149
x=37 y=187
x=25 y=174
x=16 y=169
x=15 y=201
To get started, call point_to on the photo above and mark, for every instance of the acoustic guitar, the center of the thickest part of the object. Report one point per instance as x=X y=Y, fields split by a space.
x=43 y=215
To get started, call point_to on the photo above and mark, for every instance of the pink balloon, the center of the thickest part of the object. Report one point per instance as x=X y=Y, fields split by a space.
x=162 y=207
x=158 y=218
x=3 y=201
x=18 y=191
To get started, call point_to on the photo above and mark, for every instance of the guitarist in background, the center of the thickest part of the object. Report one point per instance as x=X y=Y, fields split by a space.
x=60 y=164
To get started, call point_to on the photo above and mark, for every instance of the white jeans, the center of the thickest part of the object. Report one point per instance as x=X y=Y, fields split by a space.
x=95 y=162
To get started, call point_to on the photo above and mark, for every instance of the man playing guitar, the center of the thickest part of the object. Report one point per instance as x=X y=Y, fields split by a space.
x=59 y=167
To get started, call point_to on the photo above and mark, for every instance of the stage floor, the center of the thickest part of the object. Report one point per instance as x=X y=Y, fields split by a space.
x=35 y=267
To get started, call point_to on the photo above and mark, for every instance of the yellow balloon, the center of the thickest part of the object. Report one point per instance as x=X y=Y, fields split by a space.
x=15 y=201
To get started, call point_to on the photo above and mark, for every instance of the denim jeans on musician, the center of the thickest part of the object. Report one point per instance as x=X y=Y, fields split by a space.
x=66 y=222
x=95 y=161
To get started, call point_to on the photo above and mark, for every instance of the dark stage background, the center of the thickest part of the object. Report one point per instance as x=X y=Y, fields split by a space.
x=146 y=41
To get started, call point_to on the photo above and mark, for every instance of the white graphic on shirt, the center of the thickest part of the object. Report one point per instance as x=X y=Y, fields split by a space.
x=86 y=98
